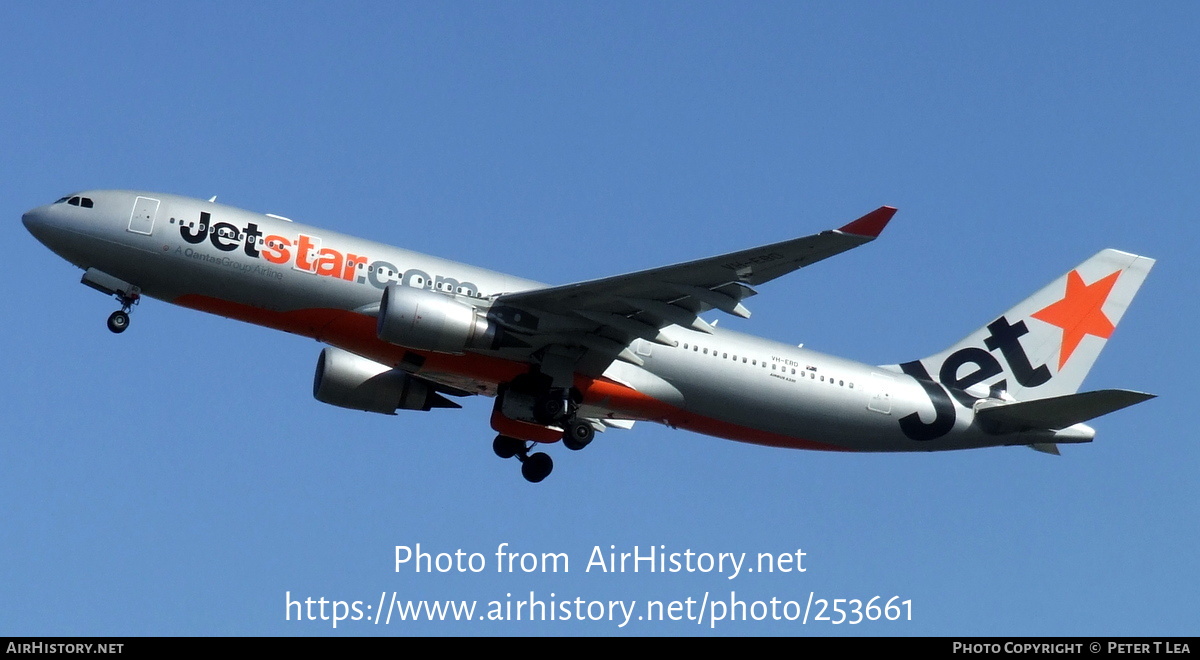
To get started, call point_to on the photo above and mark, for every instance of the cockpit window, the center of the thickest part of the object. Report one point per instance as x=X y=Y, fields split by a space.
x=62 y=199
x=85 y=202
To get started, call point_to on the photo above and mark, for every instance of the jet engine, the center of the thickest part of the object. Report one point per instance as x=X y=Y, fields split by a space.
x=346 y=380
x=430 y=321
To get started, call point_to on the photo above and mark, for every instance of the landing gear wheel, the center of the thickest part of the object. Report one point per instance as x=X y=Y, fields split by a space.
x=549 y=409
x=118 y=322
x=536 y=467
x=507 y=447
x=578 y=434
x=554 y=407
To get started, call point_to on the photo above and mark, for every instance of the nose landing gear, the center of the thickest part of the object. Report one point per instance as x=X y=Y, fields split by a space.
x=128 y=294
x=118 y=321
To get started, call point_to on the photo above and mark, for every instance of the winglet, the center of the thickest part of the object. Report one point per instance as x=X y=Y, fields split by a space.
x=871 y=224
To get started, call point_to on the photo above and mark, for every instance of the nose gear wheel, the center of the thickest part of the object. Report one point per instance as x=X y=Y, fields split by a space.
x=118 y=321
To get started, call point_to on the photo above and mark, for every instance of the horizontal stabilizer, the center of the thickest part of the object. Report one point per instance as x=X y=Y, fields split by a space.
x=1056 y=412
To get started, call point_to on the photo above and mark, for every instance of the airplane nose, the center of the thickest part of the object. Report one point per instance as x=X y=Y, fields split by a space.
x=30 y=220
x=35 y=222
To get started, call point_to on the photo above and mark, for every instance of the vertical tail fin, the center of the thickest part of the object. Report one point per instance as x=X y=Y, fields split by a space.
x=1046 y=345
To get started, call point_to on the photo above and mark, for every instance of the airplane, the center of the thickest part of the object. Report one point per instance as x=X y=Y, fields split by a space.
x=409 y=331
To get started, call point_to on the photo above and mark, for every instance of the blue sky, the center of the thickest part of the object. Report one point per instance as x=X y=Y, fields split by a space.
x=180 y=479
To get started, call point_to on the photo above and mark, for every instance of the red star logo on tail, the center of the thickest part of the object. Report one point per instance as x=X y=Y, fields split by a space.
x=1079 y=313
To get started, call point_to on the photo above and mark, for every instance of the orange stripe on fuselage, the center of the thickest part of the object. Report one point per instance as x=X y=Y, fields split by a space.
x=514 y=428
x=356 y=333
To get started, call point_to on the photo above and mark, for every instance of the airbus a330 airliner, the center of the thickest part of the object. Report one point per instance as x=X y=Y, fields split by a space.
x=405 y=331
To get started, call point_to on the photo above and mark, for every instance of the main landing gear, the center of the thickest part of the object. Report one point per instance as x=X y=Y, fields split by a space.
x=534 y=467
x=538 y=411
x=558 y=408
x=578 y=434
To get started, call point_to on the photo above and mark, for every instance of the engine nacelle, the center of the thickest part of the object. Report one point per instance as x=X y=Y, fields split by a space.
x=430 y=321
x=346 y=380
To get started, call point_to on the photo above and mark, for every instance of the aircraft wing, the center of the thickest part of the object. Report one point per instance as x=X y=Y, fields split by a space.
x=606 y=314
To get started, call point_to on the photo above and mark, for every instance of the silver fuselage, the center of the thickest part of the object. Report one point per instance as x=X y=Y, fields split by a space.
x=315 y=282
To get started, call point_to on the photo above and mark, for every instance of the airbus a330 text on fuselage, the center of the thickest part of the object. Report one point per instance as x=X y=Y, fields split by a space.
x=408 y=331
